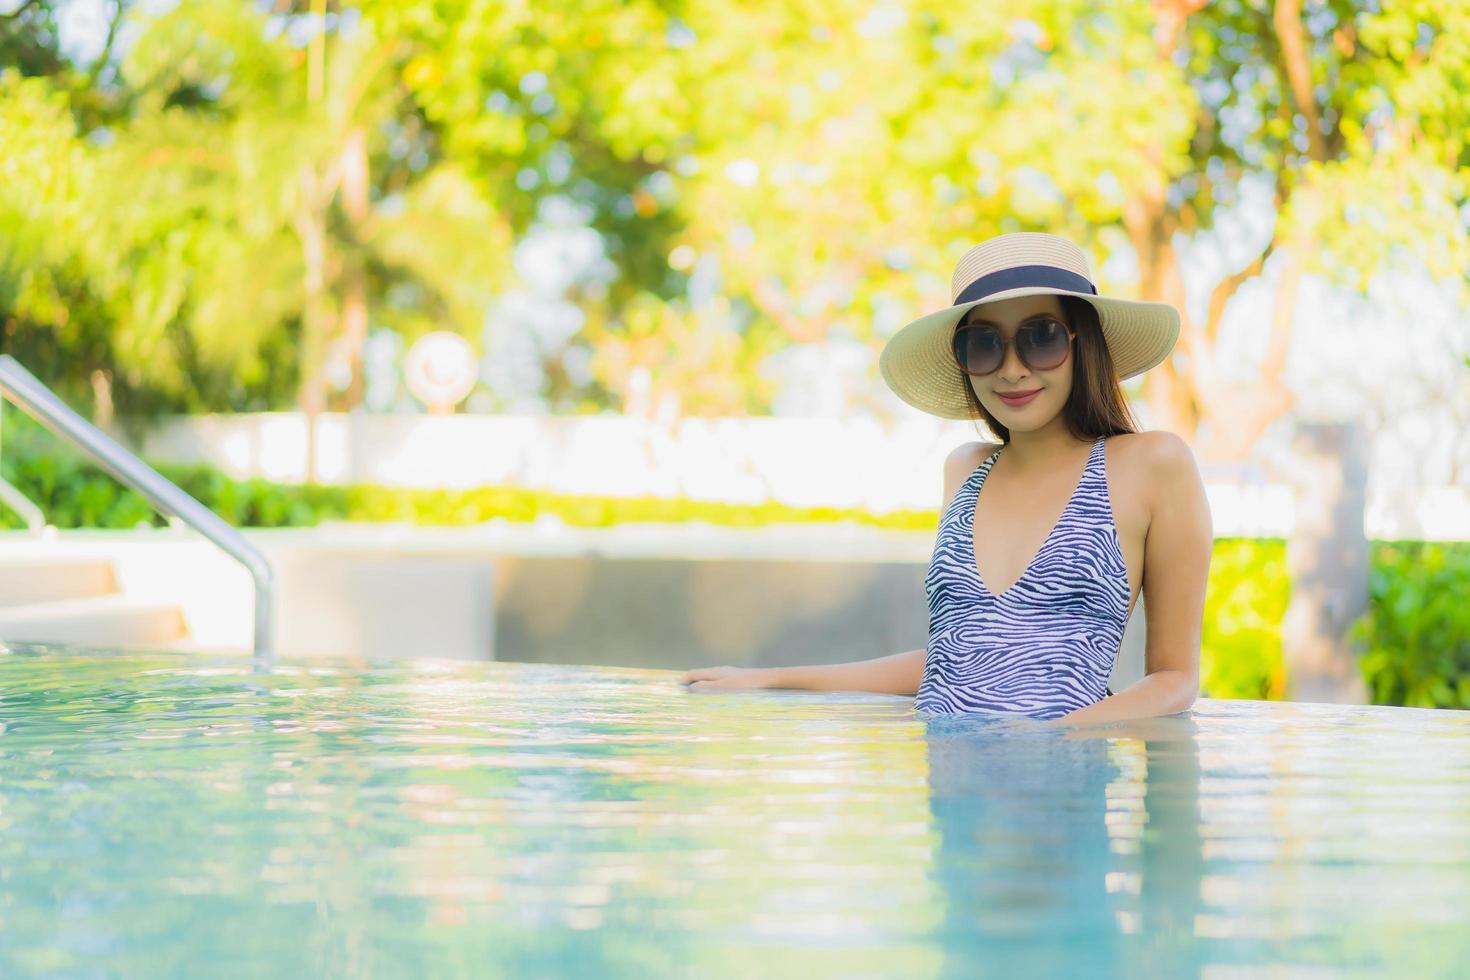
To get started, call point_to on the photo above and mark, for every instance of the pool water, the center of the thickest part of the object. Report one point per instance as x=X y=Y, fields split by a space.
x=174 y=815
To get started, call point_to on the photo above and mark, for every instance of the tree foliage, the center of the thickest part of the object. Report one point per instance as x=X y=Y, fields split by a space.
x=208 y=215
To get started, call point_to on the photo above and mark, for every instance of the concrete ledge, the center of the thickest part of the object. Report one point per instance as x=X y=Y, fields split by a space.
x=633 y=596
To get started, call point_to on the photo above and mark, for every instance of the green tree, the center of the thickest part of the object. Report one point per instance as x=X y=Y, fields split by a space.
x=264 y=184
x=51 y=310
x=310 y=189
x=1355 y=117
x=831 y=156
x=251 y=205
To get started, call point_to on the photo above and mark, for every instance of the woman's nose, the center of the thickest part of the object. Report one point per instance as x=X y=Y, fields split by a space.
x=1011 y=365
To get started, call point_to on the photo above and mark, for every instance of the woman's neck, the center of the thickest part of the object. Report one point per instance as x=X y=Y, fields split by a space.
x=1042 y=449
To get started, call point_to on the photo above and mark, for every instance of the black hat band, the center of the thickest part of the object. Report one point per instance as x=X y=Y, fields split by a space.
x=1022 y=276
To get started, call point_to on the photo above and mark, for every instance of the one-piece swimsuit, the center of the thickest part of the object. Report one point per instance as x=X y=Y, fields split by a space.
x=1046 y=645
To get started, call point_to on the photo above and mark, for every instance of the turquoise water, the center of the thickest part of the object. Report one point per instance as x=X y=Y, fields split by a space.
x=170 y=815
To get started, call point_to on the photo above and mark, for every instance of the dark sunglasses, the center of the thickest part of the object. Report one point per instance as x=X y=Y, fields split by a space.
x=1042 y=344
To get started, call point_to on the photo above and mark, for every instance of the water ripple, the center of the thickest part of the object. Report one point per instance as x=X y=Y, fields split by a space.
x=162 y=812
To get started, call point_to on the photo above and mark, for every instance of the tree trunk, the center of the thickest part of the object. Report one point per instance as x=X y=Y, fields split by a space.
x=354 y=169
x=1167 y=388
x=1327 y=557
x=1186 y=394
x=316 y=316
x=101 y=399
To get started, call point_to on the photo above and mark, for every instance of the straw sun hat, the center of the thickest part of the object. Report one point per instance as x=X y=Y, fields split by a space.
x=918 y=362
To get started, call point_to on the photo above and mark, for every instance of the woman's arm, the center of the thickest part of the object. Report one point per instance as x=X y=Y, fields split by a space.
x=1176 y=564
x=1161 y=692
x=899 y=673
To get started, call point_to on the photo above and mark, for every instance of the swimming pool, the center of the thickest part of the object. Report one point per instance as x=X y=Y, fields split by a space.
x=167 y=814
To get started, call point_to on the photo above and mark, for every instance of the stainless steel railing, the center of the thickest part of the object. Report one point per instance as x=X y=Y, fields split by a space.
x=41 y=403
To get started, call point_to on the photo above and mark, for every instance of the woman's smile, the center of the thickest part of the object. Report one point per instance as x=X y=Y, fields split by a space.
x=1017 y=401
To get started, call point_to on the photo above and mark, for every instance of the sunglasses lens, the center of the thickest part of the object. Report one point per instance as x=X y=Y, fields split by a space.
x=978 y=349
x=1043 y=344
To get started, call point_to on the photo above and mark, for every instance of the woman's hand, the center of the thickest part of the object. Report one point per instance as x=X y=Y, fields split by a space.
x=726 y=678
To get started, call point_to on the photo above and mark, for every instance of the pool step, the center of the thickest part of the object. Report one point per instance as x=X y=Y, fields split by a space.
x=30 y=580
x=108 y=620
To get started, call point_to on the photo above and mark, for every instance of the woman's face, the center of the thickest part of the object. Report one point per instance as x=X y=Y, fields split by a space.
x=1054 y=386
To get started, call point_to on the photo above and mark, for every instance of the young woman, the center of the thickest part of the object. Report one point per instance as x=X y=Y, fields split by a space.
x=1032 y=582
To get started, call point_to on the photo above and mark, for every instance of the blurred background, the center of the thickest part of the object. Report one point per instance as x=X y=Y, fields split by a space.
x=573 y=311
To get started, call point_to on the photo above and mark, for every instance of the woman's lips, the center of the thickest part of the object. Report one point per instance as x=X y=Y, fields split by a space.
x=1018 y=400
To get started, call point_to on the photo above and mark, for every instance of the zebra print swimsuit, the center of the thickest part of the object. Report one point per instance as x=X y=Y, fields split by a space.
x=1044 y=646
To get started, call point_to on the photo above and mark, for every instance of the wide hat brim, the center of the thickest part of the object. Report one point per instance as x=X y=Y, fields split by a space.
x=918 y=362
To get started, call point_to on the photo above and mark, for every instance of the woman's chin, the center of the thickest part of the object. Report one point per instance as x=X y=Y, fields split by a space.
x=1023 y=419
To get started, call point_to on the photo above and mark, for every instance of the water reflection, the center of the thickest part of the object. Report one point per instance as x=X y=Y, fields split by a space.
x=421 y=817
x=1064 y=849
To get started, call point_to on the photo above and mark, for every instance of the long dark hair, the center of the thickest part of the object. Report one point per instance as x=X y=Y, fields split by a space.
x=1096 y=407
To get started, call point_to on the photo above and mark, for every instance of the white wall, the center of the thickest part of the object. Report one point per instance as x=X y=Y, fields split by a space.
x=803 y=462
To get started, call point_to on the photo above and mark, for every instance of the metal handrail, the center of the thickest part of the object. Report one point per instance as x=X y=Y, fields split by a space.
x=19 y=502
x=41 y=403
x=22 y=505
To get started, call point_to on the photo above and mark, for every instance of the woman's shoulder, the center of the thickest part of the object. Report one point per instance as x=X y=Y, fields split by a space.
x=961 y=462
x=963 y=459
x=1145 y=456
x=1151 y=450
x=1145 y=461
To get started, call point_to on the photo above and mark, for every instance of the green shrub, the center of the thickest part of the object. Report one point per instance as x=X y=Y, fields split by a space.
x=1416 y=633
x=74 y=493
x=1245 y=601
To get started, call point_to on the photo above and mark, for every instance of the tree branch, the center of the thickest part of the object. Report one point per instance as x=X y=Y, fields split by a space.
x=1283 y=316
x=775 y=304
x=1169 y=18
x=16 y=13
x=1286 y=18
x=119 y=10
x=1225 y=289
